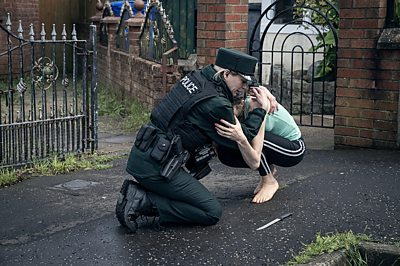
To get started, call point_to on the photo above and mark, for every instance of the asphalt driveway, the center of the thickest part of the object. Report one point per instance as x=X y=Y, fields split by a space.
x=69 y=219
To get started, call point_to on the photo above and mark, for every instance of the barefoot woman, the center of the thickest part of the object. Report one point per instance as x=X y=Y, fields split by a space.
x=281 y=145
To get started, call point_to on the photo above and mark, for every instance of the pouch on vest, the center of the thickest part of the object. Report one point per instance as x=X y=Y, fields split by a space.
x=145 y=137
x=160 y=149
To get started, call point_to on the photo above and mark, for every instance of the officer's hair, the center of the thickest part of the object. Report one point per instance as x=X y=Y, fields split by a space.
x=220 y=72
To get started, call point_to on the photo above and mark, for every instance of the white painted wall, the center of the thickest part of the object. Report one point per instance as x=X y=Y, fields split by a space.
x=301 y=42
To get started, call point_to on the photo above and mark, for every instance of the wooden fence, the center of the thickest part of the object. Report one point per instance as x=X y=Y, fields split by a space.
x=67 y=12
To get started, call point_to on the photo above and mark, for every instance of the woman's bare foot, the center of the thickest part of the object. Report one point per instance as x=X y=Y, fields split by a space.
x=260 y=184
x=258 y=187
x=269 y=186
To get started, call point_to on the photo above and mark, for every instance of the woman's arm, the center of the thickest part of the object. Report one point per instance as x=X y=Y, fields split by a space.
x=251 y=153
x=208 y=112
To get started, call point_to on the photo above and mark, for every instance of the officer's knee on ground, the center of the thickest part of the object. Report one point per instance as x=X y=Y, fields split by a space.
x=214 y=214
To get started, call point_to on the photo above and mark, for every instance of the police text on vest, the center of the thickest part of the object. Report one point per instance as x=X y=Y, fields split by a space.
x=189 y=85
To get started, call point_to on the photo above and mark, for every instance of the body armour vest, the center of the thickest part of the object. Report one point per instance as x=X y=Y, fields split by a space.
x=171 y=114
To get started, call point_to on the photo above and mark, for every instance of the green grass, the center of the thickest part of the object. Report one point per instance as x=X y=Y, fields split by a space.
x=329 y=244
x=8 y=177
x=129 y=113
x=55 y=166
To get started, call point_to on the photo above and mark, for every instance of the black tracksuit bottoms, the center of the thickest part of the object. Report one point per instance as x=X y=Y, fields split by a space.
x=276 y=150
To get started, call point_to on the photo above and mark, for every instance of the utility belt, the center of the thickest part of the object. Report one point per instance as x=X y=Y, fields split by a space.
x=171 y=154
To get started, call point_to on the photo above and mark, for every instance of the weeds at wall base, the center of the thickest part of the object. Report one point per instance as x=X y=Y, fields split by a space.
x=56 y=166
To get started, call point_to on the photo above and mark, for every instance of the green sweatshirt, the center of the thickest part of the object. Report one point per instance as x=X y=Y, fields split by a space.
x=280 y=123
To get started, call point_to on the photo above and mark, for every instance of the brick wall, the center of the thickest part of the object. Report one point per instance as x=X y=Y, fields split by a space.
x=26 y=11
x=220 y=23
x=367 y=98
x=136 y=78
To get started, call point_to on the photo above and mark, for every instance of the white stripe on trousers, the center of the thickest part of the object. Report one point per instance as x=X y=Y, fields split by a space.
x=281 y=150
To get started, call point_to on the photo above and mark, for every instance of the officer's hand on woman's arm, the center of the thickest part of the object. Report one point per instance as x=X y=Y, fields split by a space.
x=251 y=152
x=231 y=131
x=206 y=113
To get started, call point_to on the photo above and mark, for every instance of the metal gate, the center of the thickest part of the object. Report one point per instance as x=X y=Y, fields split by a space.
x=48 y=94
x=183 y=16
x=297 y=54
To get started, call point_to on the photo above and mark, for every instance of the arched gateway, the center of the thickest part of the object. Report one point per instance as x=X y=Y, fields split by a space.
x=297 y=52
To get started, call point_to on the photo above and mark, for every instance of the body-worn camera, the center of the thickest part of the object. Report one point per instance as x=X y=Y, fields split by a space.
x=198 y=163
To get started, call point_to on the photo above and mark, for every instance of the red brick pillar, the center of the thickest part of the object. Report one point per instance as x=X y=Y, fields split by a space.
x=367 y=78
x=134 y=34
x=220 y=23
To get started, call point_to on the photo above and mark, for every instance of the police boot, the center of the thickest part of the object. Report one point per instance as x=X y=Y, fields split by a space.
x=133 y=202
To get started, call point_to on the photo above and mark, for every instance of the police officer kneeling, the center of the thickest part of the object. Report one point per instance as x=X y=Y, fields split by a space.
x=172 y=152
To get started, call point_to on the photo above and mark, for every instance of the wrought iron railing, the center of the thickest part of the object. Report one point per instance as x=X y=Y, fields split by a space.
x=45 y=109
x=183 y=17
x=157 y=36
x=122 y=35
x=103 y=35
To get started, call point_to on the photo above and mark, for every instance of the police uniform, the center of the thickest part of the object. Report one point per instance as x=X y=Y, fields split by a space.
x=189 y=111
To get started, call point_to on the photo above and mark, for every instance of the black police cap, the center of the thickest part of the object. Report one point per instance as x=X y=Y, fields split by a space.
x=236 y=61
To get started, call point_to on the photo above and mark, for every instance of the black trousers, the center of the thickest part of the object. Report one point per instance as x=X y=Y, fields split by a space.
x=183 y=199
x=276 y=150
